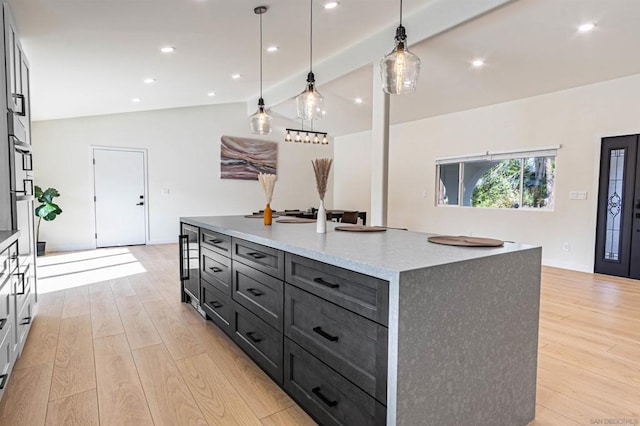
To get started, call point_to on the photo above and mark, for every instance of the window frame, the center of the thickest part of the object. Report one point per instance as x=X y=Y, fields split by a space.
x=519 y=154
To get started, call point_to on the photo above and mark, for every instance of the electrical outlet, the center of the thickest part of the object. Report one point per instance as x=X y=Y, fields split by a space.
x=566 y=247
x=424 y=194
x=165 y=191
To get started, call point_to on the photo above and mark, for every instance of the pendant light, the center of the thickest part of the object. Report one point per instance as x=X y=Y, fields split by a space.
x=400 y=68
x=310 y=102
x=260 y=121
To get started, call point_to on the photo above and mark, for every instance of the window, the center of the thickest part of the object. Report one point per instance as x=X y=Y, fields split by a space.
x=521 y=179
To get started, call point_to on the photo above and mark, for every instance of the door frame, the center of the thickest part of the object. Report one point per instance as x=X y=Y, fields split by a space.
x=145 y=174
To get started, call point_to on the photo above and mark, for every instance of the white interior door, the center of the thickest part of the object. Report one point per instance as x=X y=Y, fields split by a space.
x=119 y=181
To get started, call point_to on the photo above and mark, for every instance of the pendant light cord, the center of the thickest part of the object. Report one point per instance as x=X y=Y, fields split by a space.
x=311 y=38
x=261 y=56
x=400 y=12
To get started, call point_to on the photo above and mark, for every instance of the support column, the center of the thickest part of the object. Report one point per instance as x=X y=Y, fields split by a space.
x=379 y=151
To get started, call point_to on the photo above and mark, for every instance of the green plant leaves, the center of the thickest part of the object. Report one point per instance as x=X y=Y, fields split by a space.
x=47 y=210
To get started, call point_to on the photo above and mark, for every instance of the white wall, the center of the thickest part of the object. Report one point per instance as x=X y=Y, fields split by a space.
x=576 y=118
x=183 y=148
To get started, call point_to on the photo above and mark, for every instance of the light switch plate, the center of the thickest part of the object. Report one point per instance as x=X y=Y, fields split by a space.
x=578 y=195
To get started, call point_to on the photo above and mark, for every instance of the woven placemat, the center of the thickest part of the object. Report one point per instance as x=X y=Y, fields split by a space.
x=258 y=216
x=360 y=228
x=464 y=241
x=296 y=220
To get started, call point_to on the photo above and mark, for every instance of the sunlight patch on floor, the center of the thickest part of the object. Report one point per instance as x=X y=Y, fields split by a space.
x=69 y=270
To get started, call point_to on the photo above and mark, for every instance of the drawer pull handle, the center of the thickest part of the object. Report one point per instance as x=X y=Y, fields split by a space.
x=3 y=321
x=253 y=338
x=256 y=293
x=216 y=241
x=324 y=334
x=216 y=305
x=3 y=380
x=25 y=320
x=215 y=269
x=327 y=401
x=325 y=283
x=257 y=255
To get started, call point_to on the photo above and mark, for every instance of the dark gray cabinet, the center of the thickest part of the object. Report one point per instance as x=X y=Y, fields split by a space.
x=318 y=330
x=325 y=394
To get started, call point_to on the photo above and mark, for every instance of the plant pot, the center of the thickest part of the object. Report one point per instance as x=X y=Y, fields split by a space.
x=41 y=245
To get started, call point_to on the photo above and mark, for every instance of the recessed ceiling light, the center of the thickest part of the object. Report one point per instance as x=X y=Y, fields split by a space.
x=358 y=100
x=167 y=49
x=236 y=76
x=586 y=27
x=149 y=80
x=272 y=49
x=211 y=94
x=135 y=100
x=477 y=62
x=331 y=4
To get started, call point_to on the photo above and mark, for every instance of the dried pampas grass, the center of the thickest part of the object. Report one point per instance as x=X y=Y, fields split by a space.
x=268 y=182
x=321 y=167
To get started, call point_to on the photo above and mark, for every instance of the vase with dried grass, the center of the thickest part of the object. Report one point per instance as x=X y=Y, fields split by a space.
x=268 y=182
x=321 y=167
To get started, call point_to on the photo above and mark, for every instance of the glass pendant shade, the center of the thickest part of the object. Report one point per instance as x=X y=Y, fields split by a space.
x=400 y=69
x=310 y=103
x=260 y=121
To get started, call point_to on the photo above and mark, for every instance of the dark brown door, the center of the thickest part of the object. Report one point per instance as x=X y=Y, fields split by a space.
x=618 y=225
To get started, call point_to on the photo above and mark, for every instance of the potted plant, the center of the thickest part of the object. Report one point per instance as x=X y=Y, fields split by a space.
x=47 y=210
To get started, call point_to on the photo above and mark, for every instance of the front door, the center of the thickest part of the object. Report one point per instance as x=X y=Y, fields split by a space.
x=618 y=225
x=119 y=179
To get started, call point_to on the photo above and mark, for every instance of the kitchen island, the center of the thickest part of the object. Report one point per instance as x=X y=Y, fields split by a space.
x=374 y=328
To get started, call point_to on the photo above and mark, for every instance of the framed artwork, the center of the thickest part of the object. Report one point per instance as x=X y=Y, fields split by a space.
x=243 y=158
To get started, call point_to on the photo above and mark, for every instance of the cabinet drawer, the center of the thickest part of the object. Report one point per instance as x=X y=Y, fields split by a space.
x=329 y=397
x=260 y=341
x=5 y=360
x=264 y=259
x=362 y=294
x=8 y=261
x=258 y=292
x=350 y=344
x=218 y=306
x=220 y=243
x=6 y=311
x=22 y=286
x=216 y=270
x=23 y=323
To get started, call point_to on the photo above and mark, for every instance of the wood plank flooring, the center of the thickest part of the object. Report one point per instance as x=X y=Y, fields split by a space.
x=126 y=351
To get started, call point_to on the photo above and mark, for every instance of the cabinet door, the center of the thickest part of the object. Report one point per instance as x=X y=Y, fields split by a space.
x=10 y=40
x=23 y=89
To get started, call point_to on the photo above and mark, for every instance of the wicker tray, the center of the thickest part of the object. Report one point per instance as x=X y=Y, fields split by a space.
x=465 y=241
x=296 y=220
x=360 y=228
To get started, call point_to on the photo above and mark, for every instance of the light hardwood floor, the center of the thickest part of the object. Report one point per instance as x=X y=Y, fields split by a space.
x=125 y=351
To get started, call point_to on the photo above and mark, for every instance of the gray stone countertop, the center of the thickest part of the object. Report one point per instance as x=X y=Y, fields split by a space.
x=6 y=238
x=380 y=254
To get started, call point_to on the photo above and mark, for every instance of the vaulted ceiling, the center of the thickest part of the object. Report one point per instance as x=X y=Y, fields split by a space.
x=91 y=57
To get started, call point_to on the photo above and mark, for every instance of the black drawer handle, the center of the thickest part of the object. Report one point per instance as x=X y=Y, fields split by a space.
x=325 y=283
x=327 y=401
x=216 y=305
x=3 y=321
x=255 y=292
x=253 y=338
x=3 y=380
x=25 y=320
x=324 y=334
x=257 y=255
x=215 y=269
x=216 y=241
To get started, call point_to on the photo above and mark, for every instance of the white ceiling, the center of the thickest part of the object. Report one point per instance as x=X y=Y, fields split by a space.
x=90 y=57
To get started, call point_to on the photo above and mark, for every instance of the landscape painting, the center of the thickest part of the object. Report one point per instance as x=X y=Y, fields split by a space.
x=242 y=158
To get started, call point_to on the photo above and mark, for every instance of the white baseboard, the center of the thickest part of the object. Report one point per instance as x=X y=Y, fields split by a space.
x=567 y=265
